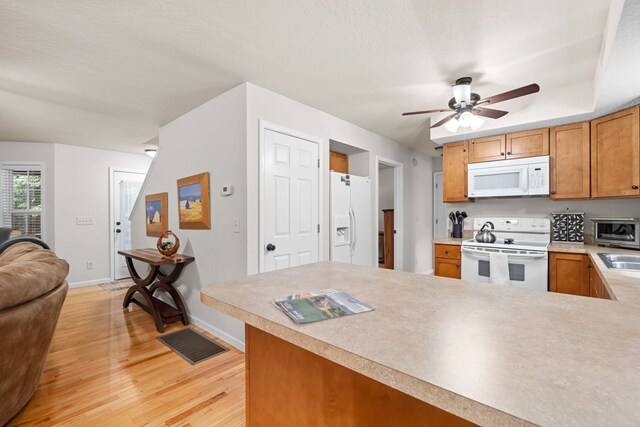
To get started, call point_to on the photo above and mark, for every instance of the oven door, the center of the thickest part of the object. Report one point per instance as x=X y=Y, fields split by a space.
x=498 y=181
x=527 y=269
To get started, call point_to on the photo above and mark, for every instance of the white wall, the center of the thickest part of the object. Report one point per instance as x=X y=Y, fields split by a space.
x=210 y=138
x=37 y=152
x=385 y=194
x=82 y=189
x=76 y=184
x=272 y=107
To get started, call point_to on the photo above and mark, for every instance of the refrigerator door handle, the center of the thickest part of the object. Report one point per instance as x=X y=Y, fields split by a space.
x=355 y=231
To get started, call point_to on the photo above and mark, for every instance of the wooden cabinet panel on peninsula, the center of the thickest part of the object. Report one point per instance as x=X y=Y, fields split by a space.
x=527 y=144
x=487 y=149
x=569 y=273
x=569 y=159
x=454 y=172
x=615 y=155
x=447 y=261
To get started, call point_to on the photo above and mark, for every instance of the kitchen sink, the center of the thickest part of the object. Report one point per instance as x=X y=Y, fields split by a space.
x=621 y=262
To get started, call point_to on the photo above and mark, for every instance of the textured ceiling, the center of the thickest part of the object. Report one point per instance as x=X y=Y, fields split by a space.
x=108 y=74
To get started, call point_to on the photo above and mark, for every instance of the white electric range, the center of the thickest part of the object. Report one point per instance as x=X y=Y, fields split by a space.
x=524 y=240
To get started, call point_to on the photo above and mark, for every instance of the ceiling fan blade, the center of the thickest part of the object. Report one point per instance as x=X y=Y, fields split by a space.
x=489 y=112
x=515 y=93
x=443 y=121
x=424 y=112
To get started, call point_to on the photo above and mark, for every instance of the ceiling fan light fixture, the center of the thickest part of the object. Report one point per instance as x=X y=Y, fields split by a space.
x=465 y=119
x=476 y=122
x=462 y=93
x=452 y=125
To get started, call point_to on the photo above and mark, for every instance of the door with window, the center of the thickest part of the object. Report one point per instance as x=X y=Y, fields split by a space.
x=126 y=187
x=21 y=198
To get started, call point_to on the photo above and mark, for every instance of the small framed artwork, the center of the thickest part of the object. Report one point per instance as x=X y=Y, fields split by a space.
x=194 y=211
x=157 y=219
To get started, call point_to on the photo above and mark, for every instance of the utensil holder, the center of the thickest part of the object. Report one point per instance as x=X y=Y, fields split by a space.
x=456 y=231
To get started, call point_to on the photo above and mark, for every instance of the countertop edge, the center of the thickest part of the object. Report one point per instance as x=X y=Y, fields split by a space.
x=439 y=397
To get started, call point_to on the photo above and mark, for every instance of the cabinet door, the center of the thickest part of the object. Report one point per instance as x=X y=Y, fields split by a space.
x=569 y=274
x=569 y=159
x=338 y=162
x=487 y=149
x=454 y=172
x=615 y=155
x=595 y=286
x=447 y=268
x=528 y=144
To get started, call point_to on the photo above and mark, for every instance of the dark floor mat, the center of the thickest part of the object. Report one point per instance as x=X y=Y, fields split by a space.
x=192 y=346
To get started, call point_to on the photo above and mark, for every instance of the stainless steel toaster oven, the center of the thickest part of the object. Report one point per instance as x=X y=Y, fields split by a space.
x=622 y=232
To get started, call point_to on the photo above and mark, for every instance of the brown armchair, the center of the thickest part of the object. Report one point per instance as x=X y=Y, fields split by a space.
x=32 y=289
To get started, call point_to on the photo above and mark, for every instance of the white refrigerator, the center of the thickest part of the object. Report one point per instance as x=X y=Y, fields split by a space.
x=351 y=227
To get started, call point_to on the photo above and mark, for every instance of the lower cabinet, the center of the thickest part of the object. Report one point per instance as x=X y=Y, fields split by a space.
x=447 y=261
x=575 y=274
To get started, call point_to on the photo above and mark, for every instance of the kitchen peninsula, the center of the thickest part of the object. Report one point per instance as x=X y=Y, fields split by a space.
x=450 y=351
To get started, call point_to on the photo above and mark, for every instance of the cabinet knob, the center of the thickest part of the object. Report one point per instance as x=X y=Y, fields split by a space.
x=508 y=153
x=553 y=192
x=635 y=187
x=457 y=265
x=446 y=252
x=502 y=154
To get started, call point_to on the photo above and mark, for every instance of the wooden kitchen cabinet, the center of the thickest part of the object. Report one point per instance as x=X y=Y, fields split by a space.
x=569 y=162
x=527 y=144
x=454 y=172
x=487 y=149
x=595 y=283
x=615 y=155
x=447 y=261
x=569 y=273
x=338 y=162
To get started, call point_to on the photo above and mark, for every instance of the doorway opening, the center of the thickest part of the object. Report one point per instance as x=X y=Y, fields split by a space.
x=389 y=213
x=124 y=189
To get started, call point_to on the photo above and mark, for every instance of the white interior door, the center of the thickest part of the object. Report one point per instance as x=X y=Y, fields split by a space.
x=290 y=203
x=126 y=186
x=439 y=220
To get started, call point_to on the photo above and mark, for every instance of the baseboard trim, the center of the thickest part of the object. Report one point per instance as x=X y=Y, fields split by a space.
x=428 y=272
x=218 y=333
x=89 y=283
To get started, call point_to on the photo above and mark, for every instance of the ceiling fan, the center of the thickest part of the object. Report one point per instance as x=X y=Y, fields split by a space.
x=466 y=105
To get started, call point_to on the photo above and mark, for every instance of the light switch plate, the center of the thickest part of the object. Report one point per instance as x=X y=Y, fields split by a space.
x=84 y=220
x=227 y=190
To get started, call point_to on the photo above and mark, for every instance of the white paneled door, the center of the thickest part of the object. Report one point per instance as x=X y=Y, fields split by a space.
x=290 y=201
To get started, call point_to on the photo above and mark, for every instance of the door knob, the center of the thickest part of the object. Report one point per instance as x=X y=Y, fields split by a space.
x=118 y=230
x=271 y=247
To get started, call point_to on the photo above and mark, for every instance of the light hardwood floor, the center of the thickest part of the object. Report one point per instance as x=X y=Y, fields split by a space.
x=106 y=367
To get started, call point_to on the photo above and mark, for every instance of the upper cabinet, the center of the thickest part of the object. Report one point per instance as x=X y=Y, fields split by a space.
x=512 y=146
x=487 y=149
x=527 y=144
x=338 y=162
x=454 y=172
x=569 y=162
x=615 y=155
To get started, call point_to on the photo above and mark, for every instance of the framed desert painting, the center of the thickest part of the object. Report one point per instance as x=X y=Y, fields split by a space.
x=156 y=212
x=194 y=211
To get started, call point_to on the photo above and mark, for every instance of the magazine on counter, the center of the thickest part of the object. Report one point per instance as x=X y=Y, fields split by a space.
x=320 y=305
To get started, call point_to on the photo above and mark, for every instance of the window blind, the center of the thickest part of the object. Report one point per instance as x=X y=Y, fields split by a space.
x=21 y=195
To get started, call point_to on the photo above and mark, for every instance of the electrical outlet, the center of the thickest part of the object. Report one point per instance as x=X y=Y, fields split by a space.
x=89 y=265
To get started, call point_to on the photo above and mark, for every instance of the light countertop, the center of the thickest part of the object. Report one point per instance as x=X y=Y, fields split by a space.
x=487 y=353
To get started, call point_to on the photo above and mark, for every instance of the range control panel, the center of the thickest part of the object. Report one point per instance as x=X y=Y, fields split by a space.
x=539 y=225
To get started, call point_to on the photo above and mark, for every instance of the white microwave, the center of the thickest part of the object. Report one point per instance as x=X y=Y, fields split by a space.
x=518 y=177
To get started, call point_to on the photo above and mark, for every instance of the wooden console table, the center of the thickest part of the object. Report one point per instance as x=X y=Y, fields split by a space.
x=162 y=312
